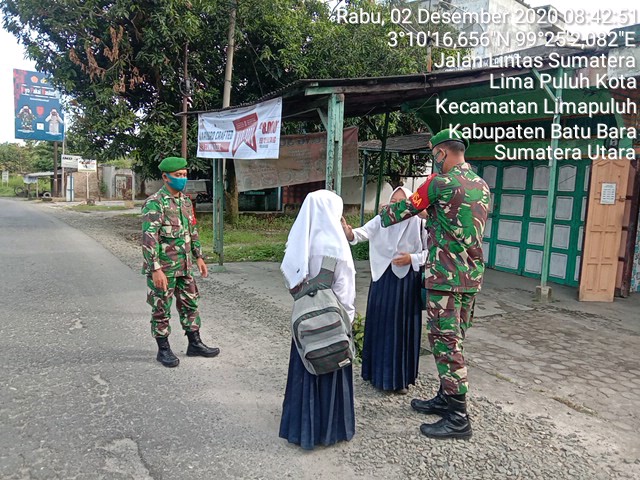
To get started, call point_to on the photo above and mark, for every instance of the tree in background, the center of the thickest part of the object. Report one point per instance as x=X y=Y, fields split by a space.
x=15 y=158
x=121 y=62
x=31 y=157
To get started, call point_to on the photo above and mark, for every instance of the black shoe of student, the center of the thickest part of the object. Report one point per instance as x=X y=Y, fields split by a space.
x=165 y=355
x=198 y=349
x=455 y=424
x=435 y=406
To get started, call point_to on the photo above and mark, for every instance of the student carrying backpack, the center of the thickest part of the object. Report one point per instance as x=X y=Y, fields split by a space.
x=318 y=408
x=320 y=326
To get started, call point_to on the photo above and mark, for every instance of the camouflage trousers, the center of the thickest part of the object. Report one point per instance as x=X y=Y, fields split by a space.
x=449 y=315
x=187 y=295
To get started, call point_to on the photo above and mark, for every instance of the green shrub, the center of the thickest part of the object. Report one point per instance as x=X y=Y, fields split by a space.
x=360 y=251
x=16 y=181
x=357 y=329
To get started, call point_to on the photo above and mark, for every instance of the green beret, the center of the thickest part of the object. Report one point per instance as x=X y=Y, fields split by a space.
x=172 y=164
x=448 y=135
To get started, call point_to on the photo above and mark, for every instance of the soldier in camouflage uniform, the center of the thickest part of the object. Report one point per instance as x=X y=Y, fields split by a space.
x=457 y=202
x=169 y=243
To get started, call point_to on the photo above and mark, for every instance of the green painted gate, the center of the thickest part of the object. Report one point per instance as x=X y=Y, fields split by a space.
x=515 y=230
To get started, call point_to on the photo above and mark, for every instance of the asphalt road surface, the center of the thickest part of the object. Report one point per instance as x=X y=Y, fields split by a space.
x=82 y=396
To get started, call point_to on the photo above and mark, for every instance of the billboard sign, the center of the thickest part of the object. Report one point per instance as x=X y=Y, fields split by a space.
x=241 y=133
x=70 y=161
x=86 y=165
x=37 y=111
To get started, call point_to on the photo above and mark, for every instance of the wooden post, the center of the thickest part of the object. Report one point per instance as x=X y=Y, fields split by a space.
x=219 y=165
x=218 y=213
x=544 y=292
x=335 y=122
x=331 y=107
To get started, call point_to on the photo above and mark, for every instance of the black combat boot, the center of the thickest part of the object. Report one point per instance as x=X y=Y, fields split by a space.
x=165 y=355
x=455 y=424
x=436 y=406
x=198 y=349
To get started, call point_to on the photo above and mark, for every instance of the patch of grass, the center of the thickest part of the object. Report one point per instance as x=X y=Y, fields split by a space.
x=253 y=239
x=97 y=208
x=254 y=253
x=258 y=238
x=17 y=181
x=6 y=191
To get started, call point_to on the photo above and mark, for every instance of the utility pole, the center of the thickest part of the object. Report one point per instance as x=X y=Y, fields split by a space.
x=219 y=166
x=231 y=46
x=56 y=182
x=185 y=101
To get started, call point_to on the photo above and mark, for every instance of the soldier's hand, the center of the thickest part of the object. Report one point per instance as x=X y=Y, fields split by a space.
x=159 y=280
x=202 y=267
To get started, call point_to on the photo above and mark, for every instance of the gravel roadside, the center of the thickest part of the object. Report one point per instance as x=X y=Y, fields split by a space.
x=388 y=443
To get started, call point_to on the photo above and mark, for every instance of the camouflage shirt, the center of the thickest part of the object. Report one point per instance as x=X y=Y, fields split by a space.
x=169 y=234
x=457 y=204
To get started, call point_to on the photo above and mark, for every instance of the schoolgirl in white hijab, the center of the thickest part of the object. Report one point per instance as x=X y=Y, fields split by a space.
x=318 y=409
x=389 y=244
x=394 y=308
x=317 y=233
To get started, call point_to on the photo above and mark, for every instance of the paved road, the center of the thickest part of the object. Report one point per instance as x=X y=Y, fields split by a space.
x=81 y=395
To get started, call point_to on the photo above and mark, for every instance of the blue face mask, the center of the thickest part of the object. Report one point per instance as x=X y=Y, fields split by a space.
x=177 y=183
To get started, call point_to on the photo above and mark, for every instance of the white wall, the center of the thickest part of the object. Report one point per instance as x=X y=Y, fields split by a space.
x=352 y=191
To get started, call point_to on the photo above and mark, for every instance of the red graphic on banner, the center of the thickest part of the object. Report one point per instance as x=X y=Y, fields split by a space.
x=40 y=110
x=246 y=132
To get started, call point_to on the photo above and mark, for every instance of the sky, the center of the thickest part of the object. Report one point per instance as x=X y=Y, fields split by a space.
x=13 y=56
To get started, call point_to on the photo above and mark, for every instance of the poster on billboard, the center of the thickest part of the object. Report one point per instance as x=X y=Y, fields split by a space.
x=86 y=165
x=303 y=159
x=241 y=133
x=38 y=115
x=70 y=161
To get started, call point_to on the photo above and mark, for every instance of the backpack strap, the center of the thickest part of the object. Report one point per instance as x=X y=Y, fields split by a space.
x=329 y=263
x=322 y=281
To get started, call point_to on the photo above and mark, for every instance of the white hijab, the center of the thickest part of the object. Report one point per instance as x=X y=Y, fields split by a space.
x=316 y=231
x=386 y=243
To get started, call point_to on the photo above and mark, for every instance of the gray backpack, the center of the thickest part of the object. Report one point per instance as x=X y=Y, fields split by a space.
x=320 y=325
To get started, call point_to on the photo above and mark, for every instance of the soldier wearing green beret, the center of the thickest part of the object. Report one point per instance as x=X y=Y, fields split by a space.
x=170 y=242
x=457 y=204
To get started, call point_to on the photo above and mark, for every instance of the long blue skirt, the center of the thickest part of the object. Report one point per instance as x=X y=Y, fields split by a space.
x=392 y=331
x=317 y=409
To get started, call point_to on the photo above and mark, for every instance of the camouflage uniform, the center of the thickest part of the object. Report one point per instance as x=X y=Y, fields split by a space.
x=169 y=241
x=457 y=204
